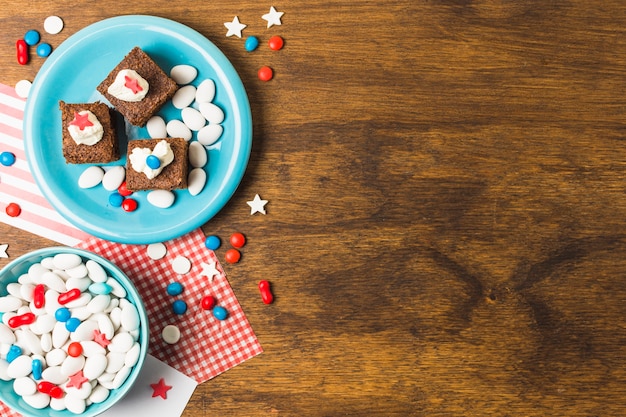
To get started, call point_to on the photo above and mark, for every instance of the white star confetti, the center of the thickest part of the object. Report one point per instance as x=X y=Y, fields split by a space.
x=257 y=205
x=3 y=250
x=273 y=17
x=209 y=270
x=234 y=27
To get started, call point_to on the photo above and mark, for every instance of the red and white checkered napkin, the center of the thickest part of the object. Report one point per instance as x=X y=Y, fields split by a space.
x=207 y=346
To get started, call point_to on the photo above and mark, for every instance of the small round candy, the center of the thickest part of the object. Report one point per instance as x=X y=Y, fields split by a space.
x=252 y=42
x=232 y=256
x=62 y=314
x=7 y=158
x=13 y=210
x=72 y=324
x=44 y=49
x=116 y=199
x=175 y=288
x=212 y=242
x=53 y=24
x=179 y=307
x=265 y=73
x=237 y=240
x=75 y=349
x=220 y=313
x=22 y=88
x=276 y=43
x=129 y=204
x=207 y=302
x=32 y=37
x=170 y=334
x=153 y=162
x=123 y=190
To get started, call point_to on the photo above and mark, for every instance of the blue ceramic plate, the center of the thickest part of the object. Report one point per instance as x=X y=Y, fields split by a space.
x=73 y=71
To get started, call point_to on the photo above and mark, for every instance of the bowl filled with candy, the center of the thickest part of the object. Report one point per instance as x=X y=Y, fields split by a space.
x=73 y=333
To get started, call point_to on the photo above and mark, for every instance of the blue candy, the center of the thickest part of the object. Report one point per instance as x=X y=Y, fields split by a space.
x=72 y=324
x=175 y=288
x=153 y=162
x=37 y=368
x=7 y=159
x=31 y=37
x=220 y=313
x=179 y=307
x=212 y=242
x=252 y=42
x=62 y=314
x=100 y=288
x=43 y=50
x=14 y=352
x=116 y=199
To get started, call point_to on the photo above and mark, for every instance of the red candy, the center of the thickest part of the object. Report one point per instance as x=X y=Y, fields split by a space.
x=265 y=73
x=232 y=256
x=275 y=43
x=13 y=210
x=266 y=292
x=208 y=302
x=68 y=296
x=22 y=319
x=47 y=387
x=39 y=295
x=74 y=349
x=21 y=48
x=129 y=204
x=123 y=190
x=237 y=240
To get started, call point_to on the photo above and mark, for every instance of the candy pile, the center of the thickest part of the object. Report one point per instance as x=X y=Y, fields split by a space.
x=68 y=334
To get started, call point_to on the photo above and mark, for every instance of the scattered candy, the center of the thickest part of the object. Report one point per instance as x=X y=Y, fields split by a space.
x=252 y=42
x=183 y=74
x=177 y=129
x=212 y=242
x=160 y=389
x=238 y=240
x=157 y=250
x=193 y=119
x=3 y=250
x=266 y=293
x=276 y=43
x=129 y=204
x=205 y=92
x=181 y=265
x=53 y=24
x=232 y=256
x=209 y=270
x=123 y=190
x=21 y=50
x=44 y=50
x=116 y=199
x=22 y=88
x=257 y=205
x=211 y=112
x=273 y=17
x=207 y=302
x=174 y=288
x=91 y=177
x=179 y=307
x=234 y=27
x=13 y=210
x=197 y=155
x=184 y=96
x=156 y=127
x=209 y=134
x=7 y=158
x=32 y=37
x=113 y=178
x=265 y=73
x=75 y=349
x=220 y=313
x=170 y=334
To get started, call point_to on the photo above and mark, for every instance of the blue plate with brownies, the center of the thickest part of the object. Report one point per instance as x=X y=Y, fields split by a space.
x=175 y=185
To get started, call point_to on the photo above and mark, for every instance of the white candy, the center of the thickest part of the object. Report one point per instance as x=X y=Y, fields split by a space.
x=197 y=155
x=161 y=198
x=99 y=394
x=81 y=283
x=4 y=366
x=156 y=127
x=157 y=250
x=211 y=112
x=56 y=357
x=59 y=335
x=58 y=404
x=53 y=281
x=209 y=134
x=74 y=404
x=181 y=265
x=121 y=343
x=99 y=303
x=113 y=178
x=95 y=271
x=94 y=366
x=29 y=341
x=118 y=289
x=6 y=335
x=196 y=181
x=43 y=324
x=64 y=261
x=192 y=118
x=177 y=129
x=72 y=364
x=91 y=348
x=20 y=366
x=184 y=96
x=91 y=177
x=170 y=334
x=46 y=342
x=79 y=271
x=38 y=400
x=84 y=331
x=206 y=91
x=132 y=357
x=105 y=325
x=54 y=375
x=36 y=270
x=130 y=318
x=24 y=386
x=183 y=74
x=115 y=362
x=9 y=303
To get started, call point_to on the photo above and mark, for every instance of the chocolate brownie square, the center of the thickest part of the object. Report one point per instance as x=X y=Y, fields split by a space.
x=160 y=87
x=104 y=151
x=172 y=176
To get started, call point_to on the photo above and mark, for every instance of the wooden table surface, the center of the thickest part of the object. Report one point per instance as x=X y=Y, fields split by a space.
x=446 y=226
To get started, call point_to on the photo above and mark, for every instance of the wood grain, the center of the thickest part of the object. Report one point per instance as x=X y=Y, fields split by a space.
x=445 y=231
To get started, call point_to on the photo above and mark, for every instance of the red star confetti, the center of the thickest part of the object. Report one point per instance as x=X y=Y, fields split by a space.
x=132 y=84
x=100 y=338
x=81 y=120
x=160 y=389
x=77 y=380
